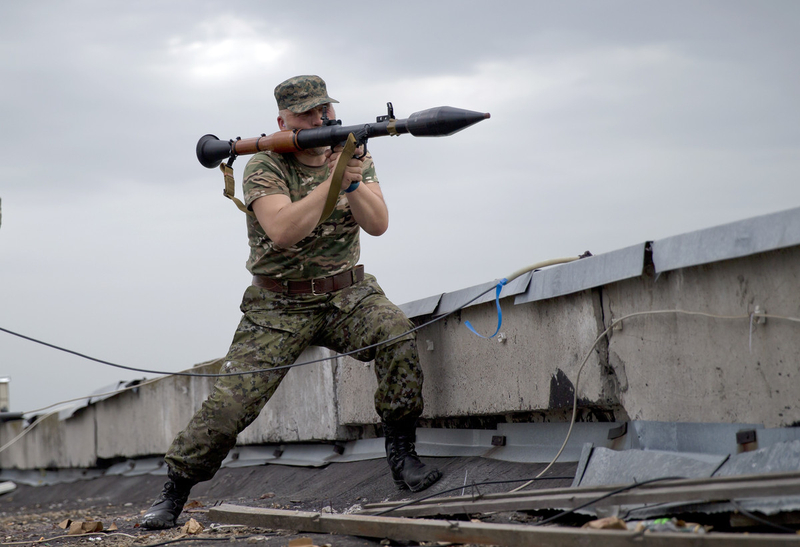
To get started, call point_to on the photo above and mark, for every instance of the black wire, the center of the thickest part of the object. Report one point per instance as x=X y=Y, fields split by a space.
x=604 y=496
x=256 y=371
x=646 y=507
x=416 y=501
x=756 y=518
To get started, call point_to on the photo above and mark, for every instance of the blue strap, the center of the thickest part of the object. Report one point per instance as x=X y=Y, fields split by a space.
x=500 y=285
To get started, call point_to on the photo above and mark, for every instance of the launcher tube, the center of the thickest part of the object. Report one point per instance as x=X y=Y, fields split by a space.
x=441 y=121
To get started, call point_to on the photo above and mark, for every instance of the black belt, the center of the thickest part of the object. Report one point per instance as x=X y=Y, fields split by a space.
x=320 y=285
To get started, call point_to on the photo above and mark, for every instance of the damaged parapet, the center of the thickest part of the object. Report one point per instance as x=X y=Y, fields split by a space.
x=699 y=327
x=710 y=337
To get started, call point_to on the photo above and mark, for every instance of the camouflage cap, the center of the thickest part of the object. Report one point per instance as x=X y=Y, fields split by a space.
x=302 y=93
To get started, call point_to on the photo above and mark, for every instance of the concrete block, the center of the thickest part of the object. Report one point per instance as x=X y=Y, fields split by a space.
x=534 y=369
x=303 y=407
x=12 y=457
x=355 y=392
x=690 y=368
x=144 y=421
x=53 y=443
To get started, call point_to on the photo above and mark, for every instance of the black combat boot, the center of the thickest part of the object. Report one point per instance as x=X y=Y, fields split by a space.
x=407 y=470
x=168 y=505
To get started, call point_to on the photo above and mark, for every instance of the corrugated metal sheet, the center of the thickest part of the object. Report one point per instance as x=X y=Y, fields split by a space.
x=455 y=300
x=610 y=467
x=100 y=394
x=512 y=288
x=586 y=273
x=583 y=274
x=425 y=306
x=629 y=466
x=737 y=239
x=780 y=457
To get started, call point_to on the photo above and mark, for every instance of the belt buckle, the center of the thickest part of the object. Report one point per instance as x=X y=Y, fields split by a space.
x=314 y=288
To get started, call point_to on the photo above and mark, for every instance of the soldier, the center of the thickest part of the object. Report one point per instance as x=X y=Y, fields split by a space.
x=307 y=289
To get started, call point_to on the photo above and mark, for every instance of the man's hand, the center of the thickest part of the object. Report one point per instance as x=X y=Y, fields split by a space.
x=352 y=172
x=287 y=222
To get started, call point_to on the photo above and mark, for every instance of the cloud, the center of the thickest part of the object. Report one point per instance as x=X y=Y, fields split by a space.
x=222 y=51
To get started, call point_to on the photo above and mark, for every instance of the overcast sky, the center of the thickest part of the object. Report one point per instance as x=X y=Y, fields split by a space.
x=612 y=123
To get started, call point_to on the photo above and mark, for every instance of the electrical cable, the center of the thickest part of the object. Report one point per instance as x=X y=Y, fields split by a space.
x=141 y=383
x=27 y=430
x=646 y=507
x=735 y=504
x=550 y=519
x=281 y=367
x=474 y=484
x=605 y=333
x=572 y=420
x=761 y=520
x=604 y=496
x=40 y=419
x=516 y=274
x=577 y=381
x=513 y=276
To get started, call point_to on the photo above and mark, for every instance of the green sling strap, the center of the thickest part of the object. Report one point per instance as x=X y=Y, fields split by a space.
x=336 y=183
x=230 y=186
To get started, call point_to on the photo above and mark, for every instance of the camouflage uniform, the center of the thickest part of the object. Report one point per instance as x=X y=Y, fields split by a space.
x=331 y=248
x=276 y=327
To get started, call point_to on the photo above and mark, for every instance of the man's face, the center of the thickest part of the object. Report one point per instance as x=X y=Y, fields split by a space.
x=306 y=120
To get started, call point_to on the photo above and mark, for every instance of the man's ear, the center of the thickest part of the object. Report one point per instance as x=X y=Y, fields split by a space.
x=281 y=123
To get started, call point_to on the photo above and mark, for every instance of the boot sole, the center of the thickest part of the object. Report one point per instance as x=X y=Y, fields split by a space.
x=428 y=481
x=158 y=523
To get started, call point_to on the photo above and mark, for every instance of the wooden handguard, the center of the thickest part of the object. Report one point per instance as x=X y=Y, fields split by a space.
x=281 y=142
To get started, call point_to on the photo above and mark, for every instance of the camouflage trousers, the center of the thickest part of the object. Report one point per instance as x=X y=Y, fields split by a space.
x=274 y=330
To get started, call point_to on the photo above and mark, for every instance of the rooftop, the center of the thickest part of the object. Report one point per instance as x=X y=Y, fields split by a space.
x=640 y=389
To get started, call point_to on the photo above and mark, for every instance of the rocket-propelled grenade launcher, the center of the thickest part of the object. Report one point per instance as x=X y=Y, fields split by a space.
x=441 y=121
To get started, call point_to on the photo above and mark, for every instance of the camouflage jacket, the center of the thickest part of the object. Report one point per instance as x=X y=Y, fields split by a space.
x=332 y=247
